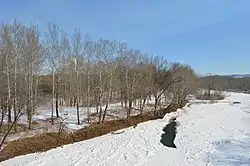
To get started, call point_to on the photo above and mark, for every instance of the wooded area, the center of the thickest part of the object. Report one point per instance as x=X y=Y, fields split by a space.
x=76 y=71
x=226 y=83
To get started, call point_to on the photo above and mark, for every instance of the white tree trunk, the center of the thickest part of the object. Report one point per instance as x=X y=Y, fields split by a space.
x=109 y=96
x=100 y=95
x=9 y=90
x=53 y=95
x=15 y=91
x=88 y=92
x=77 y=92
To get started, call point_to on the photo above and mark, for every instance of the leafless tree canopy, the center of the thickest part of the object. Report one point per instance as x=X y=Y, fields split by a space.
x=77 y=71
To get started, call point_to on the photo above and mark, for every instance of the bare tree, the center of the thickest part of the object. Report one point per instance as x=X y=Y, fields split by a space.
x=6 y=53
x=87 y=55
x=22 y=55
x=34 y=57
x=163 y=79
x=109 y=58
x=187 y=86
x=56 y=43
x=77 y=54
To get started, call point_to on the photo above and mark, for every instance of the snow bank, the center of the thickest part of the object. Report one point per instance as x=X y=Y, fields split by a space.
x=209 y=134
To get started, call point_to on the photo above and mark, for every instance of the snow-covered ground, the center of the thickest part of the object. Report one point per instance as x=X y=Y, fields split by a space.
x=68 y=116
x=209 y=134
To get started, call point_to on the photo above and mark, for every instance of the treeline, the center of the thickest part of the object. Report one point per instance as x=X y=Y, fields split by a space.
x=226 y=83
x=78 y=71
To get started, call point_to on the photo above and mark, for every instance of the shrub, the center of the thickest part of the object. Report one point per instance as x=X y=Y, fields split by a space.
x=210 y=95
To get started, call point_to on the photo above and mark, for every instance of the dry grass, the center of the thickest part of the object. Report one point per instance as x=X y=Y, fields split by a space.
x=5 y=127
x=43 y=142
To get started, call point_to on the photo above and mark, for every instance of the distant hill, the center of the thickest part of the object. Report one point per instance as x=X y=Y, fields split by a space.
x=233 y=82
x=230 y=76
x=239 y=75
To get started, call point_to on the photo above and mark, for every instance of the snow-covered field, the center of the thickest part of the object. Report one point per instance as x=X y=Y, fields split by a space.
x=209 y=134
x=68 y=116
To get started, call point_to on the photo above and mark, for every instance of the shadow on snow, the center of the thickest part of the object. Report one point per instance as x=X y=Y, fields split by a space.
x=231 y=152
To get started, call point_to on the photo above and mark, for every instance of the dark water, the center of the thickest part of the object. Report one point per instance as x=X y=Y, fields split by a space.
x=168 y=137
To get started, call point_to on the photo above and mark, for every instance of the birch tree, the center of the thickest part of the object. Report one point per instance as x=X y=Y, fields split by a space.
x=109 y=58
x=6 y=52
x=87 y=56
x=54 y=53
x=33 y=59
x=77 y=54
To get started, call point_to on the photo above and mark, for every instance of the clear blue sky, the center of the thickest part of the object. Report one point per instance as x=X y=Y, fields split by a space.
x=213 y=36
